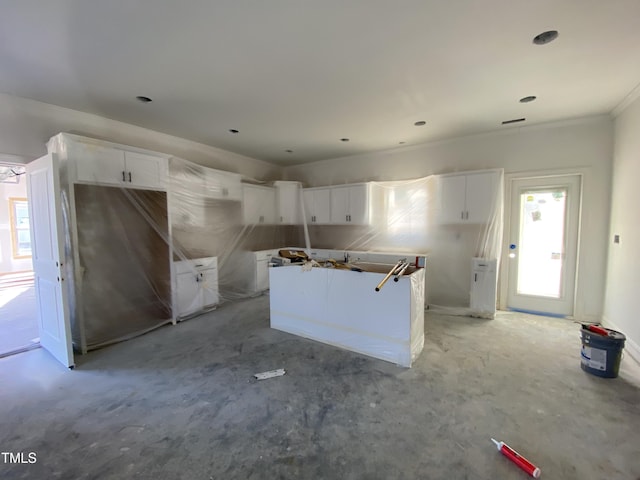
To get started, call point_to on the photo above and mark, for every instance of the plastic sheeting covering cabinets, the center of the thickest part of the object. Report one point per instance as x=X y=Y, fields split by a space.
x=126 y=234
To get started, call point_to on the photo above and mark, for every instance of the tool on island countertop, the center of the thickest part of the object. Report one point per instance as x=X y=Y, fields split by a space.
x=401 y=272
x=395 y=269
x=331 y=263
x=518 y=459
x=296 y=256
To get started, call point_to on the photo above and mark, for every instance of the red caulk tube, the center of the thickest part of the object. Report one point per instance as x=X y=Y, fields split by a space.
x=518 y=459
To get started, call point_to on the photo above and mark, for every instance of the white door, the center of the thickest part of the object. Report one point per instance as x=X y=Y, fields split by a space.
x=543 y=244
x=47 y=243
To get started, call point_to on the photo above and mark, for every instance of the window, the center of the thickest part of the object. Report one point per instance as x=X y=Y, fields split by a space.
x=20 y=236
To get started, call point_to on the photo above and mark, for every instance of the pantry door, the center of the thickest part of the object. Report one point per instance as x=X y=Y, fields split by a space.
x=543 y=244
x=47 y=242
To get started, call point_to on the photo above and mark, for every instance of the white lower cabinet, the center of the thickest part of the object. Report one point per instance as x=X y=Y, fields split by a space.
x=262 y=275
x=259 y=271
x=196 y=285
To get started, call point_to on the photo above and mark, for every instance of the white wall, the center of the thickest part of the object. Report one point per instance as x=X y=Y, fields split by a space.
x=583 y=144
x=7 y=262
x=26 y=126
x=623 y=273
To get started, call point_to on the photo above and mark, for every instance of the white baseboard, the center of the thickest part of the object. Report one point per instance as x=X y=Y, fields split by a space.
x=631 y=347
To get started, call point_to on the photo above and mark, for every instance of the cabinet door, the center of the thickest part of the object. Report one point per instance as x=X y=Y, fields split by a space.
x=322 y=205
x=189 y=297
x=262 y=275
x=452 y=199
x=308 y=197
x=288 y=199
x=145 y=171
x=209 y=286
x=100 y=165
x=339 y=205
x=481 y=196
x=358 y=213
x=258 y=205
x=223 y=185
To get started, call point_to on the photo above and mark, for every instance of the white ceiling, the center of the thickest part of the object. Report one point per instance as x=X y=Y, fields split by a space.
x=302 y=74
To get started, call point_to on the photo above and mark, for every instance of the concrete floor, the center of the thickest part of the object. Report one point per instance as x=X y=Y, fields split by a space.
x=18 y=318
x=180 y=403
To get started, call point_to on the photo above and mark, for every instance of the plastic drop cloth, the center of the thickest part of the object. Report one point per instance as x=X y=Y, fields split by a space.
x=407 y=216
x=125 y=246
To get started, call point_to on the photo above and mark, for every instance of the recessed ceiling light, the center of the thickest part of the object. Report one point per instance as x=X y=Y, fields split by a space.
x=289 y=151
x=344 y=139
x=143 y=99
x=545 y=37
x=233 y=130
x=515 y=120
x=420 y=123
x=528 y=99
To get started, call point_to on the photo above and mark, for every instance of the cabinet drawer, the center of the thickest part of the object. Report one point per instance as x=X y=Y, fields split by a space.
x=197 y=264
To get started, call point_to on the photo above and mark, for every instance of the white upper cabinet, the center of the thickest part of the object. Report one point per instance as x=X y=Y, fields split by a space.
x=223 y=185
x=468 y=198
x=96 y=164
x=145 y=170
x=288 y=202
x=317 y=205
x=114 y=164
x=350 y=204
x=452 y=198
x=258 y=204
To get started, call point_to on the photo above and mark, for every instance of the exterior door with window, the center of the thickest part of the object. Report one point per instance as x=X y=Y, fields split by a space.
x=543 y=244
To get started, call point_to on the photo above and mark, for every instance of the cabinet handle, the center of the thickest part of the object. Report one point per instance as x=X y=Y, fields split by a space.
x=461 y=215
x=123 y=179
x=475 y=277
x=129 y=177
x=467 y=215
x=281 y=218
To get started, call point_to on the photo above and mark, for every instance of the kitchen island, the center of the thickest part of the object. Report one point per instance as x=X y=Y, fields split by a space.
x=341 y=307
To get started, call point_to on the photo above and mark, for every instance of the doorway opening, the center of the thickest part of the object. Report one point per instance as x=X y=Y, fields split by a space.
x=18 y=311
x=543 y=244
